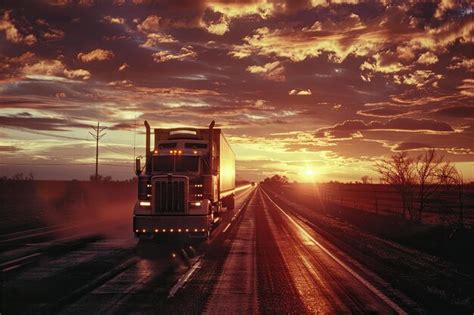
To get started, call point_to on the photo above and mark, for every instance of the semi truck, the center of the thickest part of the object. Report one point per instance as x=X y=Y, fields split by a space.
x=187 y=181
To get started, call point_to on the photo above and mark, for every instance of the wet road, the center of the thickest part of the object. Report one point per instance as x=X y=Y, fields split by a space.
x=260 y=259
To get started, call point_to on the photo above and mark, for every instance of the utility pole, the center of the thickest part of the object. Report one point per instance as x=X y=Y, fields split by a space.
x=97 y=135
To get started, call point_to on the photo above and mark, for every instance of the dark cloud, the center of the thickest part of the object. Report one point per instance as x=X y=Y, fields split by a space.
x=8 y=149
x=383 y=112
x=350 y=127
x=456 y=111
x=39 y=123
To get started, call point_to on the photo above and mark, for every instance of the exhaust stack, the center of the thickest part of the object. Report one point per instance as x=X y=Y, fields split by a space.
x=147 y=146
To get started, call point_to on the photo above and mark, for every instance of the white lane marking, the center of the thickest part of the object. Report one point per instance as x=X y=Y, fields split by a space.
x=185 y=278
x=228 y=225
x=20 y=262
x=369 y=286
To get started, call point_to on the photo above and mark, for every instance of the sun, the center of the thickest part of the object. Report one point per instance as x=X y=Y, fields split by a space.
x=308 y=173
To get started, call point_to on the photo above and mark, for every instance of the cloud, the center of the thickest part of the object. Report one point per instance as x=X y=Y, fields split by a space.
x=220 y=27
x=51 y=68
x=49 y=32
x=165 y=55
x=352 y=128
x=462 y=63
x=150 y=24
x=383 y=112
x=410 y=146
x=348 y=36
x=155 y=39
x=415 y=124
x=40 y=123
x=467 y=87
x=456 y=111
x=444 y=6
x=300 y=92
x=122 y=83
x=419 y=78
x=96 y=55
x=9 y=149
x=78 y=73
x=59 y=2
x=123 y=66
x=428 y=58
x=12 y=34
x=273 y=71
x=385 y=62
x=113 y=20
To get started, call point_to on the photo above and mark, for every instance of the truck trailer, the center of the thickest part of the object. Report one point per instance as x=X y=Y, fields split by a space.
x=187 y=181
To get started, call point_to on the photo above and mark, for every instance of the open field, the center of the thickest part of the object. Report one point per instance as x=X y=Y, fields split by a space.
x=35 y=204
x=383 y=199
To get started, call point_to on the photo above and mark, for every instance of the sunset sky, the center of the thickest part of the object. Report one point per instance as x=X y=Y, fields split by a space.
x=311 y=89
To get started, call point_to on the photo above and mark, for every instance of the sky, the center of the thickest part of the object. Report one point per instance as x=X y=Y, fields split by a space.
x=315 y=90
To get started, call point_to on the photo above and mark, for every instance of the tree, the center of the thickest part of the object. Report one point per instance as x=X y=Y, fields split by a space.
x=398 y=171
x=100 y=178
x=427 y=167
x=276 y=180
x=419 y=180
x=365 y=179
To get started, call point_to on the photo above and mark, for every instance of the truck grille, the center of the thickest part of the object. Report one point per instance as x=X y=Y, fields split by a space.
x=170 y=195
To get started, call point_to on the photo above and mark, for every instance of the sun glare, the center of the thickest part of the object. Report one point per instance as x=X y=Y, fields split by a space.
x=308 y=173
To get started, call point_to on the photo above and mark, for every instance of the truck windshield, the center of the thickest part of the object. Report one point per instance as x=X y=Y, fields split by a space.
x=173 y=163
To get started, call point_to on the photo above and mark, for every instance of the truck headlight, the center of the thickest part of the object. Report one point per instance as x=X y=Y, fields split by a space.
x=145 y=203
x=196 y=204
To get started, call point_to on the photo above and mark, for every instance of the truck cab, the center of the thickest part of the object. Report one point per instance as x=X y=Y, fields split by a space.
x=188 y=179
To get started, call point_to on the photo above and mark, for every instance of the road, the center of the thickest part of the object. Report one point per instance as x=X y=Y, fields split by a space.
x=260 y=259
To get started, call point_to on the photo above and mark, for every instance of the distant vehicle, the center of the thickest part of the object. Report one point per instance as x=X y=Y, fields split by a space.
x=253 y=183
x=188 y=179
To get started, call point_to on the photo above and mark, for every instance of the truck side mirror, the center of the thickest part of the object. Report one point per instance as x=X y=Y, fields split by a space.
x=138 y=168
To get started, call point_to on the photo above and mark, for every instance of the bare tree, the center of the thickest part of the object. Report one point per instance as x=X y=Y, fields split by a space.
x=421 y=181
x=399 y=172
x=427 y=168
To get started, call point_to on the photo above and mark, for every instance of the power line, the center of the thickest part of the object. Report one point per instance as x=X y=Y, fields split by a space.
x=113 y=149
x=98 y=135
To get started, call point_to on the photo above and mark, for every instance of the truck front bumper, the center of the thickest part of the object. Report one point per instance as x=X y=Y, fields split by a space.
x=153 y=224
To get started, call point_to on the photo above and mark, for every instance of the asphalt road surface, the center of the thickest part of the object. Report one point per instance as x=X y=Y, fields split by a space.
x=260 y=259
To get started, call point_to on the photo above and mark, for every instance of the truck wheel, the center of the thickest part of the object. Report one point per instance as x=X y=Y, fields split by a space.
x=230 y=204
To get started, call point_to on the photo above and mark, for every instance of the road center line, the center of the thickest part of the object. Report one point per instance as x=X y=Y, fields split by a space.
x=182 y=281
x=228 y=225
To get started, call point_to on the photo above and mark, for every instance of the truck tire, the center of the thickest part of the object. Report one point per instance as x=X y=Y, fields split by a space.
x=230 y=203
